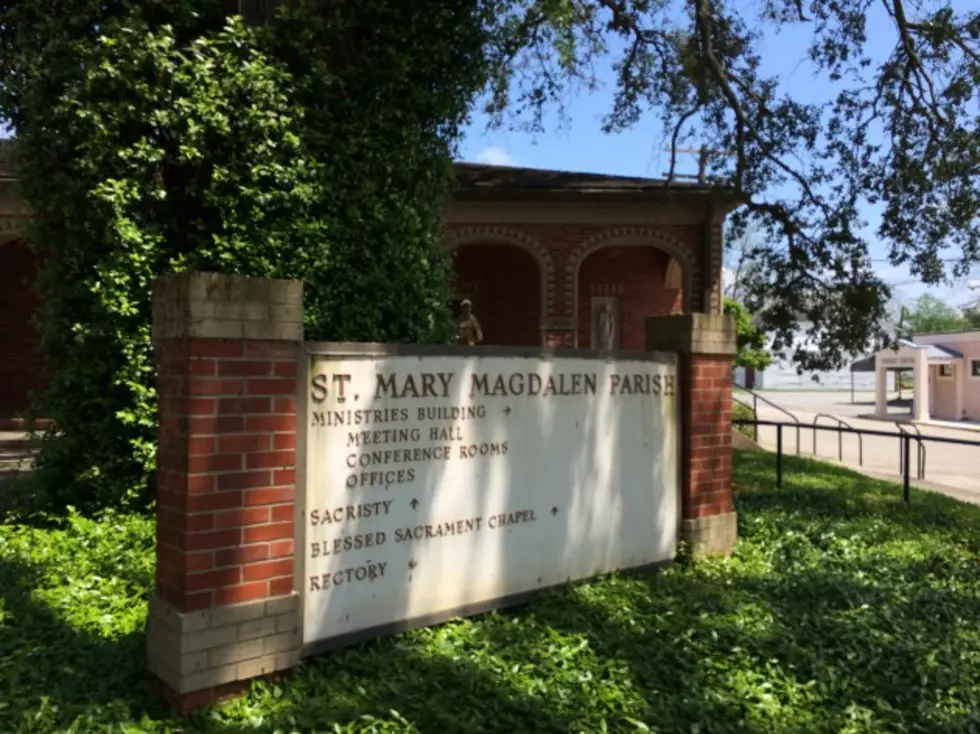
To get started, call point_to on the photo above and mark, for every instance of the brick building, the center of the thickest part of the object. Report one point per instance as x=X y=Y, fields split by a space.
x=540 y=253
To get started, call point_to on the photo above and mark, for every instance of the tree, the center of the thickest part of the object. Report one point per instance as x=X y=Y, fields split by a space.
x=931 y=315
x=163 y=135
x=972 y=311
x=752 y=351
x=899 y=131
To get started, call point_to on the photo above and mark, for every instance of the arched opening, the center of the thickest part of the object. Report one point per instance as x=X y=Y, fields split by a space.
x=20 y=350
x=504 y=283
x=634 y=283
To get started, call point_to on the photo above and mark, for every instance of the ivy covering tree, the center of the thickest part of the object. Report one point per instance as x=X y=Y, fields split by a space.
x=898 y=132
x=165 y=135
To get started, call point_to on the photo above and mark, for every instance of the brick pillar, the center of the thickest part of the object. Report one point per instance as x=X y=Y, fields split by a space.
x=706 y=346
x=225 y=610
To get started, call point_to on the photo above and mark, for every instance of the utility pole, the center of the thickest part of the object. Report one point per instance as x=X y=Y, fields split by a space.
x=704 y=156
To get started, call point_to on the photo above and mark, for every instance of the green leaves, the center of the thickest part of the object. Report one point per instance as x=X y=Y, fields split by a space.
x=751 y=341
x=842 y=610
x=159 y=137
x=930 y=315
x=876 y=157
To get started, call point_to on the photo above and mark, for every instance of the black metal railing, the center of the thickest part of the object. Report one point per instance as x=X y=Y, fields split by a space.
x=840 y=436
x=904 y=437
x=754 y=407
x=920 y=453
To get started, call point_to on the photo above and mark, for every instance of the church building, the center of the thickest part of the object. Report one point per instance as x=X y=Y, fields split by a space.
x=545 y=258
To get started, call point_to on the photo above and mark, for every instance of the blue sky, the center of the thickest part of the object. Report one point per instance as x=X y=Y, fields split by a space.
x=582 y=146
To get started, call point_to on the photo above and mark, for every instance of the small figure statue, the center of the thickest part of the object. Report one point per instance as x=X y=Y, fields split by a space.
x=607 y=327
x=468 y=331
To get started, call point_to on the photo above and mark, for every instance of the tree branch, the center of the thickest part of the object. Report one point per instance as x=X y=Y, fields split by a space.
x=897 y=12
x=673 y=140
x=707 y=51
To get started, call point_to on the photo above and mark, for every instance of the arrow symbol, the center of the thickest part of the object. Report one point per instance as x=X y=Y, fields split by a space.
x=554 y=511
x=412 y=564
x=507 y=410
x=414 y=503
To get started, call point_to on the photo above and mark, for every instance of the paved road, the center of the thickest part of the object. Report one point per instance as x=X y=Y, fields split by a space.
x=951 y=469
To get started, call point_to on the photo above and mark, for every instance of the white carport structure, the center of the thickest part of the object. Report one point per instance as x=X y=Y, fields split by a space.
x=917 y=358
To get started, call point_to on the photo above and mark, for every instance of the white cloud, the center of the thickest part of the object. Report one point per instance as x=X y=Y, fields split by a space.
x=495 y=156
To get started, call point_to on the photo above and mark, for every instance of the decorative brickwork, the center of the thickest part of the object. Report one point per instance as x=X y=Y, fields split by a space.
x=560 y=250
x=228 y=353
x=491 y=233
x=706 y=344
x=653 y=237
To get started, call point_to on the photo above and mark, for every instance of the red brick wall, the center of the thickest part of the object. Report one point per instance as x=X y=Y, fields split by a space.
x=226 y=471
x=507 y=299
x=706 y=442
x=643 y=268
x=20 y=354
x=562 y=240
x=636 y=276
x=505 y=284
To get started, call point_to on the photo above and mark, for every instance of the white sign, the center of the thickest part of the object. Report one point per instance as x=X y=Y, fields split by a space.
x=888 y=361
x=439 y=485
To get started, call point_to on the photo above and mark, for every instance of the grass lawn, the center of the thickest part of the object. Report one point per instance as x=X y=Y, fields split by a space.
x=843 y=611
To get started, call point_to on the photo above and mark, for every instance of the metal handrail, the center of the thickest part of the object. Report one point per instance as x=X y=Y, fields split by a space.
x=840 y=437
x=755 y=411
x=920 y=471
x=904 y=437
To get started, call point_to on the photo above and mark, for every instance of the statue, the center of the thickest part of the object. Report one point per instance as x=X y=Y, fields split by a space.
x=607 y=327
x=468 y=331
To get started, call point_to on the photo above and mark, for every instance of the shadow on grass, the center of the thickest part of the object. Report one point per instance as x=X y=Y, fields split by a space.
x=401 y=682
x=842 y=606
x=55 y=670
x=843 y=610
x=816 y=492
x=58 y=671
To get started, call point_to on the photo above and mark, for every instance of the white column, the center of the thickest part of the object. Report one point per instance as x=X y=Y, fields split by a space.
x=920 y=399
x=959 y=376
x=881 y=391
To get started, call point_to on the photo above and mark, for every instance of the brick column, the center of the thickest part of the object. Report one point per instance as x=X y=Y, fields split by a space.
x=706 y=346
x=225 y=610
